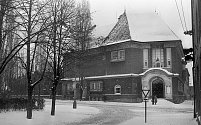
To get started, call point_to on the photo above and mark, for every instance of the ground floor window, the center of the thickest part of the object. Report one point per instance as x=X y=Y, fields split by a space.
x=117 y=89
x=96 y=86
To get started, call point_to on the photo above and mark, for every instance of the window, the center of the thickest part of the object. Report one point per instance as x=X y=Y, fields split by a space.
x=145 y=58
x=69 y=86
x=168 y=54
x=118 y=55
x=121 y=54
x=157 y=58
x=114 y=55
x=96 y=85
x=168 y=91
x=117 y=89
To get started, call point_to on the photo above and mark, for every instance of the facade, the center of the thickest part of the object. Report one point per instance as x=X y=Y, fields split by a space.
x=196 y=35
x=122 y=67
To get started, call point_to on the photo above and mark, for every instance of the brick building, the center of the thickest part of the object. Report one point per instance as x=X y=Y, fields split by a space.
x=136 y=54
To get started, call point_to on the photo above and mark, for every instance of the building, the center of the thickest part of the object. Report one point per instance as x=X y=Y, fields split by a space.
x=196 y=36
x=135 y=55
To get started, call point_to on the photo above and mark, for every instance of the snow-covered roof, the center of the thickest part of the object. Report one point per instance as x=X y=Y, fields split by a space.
x=116 y=42
x=103 y=30
x=142 y=27
x=149 y=27
x=121 y=75
x=103 y=77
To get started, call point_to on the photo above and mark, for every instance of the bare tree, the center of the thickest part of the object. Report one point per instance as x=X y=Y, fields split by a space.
x=82 y=34
x=62 y=13
x=32 y=21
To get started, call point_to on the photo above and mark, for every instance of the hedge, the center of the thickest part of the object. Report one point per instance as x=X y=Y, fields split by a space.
x=20 y=104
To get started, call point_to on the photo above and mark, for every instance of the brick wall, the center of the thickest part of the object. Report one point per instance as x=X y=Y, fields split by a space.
x=132 y=64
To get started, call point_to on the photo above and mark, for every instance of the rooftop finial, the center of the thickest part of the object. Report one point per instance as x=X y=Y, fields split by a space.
x=124 y=9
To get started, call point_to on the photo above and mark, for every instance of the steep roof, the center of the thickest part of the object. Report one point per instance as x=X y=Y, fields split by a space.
x=149 y=27
x=143 y=27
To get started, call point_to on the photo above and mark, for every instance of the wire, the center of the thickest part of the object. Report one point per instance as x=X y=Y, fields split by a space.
x=183 y=15
x=179 y=15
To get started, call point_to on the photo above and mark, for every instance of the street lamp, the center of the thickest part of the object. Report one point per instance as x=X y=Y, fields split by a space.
x=74 y=97
x=145 y=92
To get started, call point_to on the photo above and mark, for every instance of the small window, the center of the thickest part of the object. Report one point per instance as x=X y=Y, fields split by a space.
x=121 y=54
x=145 y=63
x=117 y=89
x=118 y=55
x=114 y=55
x=168 y=51
x=145 y=58
x=169 y=63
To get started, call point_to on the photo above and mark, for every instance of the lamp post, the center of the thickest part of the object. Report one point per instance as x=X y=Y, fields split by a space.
x=74 y=97
x=145 y=92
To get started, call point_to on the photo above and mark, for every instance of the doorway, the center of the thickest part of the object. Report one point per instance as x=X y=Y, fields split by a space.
x=158 y=88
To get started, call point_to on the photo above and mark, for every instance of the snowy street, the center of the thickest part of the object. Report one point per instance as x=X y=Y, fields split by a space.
x=105 y=113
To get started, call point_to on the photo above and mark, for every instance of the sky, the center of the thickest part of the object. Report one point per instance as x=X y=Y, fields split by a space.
x=106 y=12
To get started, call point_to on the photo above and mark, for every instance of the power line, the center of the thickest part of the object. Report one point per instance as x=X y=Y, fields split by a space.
x=183 y=15
x=179 y=15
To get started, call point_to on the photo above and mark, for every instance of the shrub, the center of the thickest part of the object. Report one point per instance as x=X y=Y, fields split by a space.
x=20 y=104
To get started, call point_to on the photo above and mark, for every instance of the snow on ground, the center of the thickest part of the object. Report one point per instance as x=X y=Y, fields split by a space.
x=164 y=116
x=162 y=119
x=64 y=113
x=156 y=115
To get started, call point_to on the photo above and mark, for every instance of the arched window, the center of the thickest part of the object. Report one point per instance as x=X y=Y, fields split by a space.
x=117 y=89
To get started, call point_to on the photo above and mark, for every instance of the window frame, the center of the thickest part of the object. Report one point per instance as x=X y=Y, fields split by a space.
x=115 y=90
x=168 y=57
x=117 y=55
x=96 y=86
x=158 y=53
x=114 y=54
x=145 y=58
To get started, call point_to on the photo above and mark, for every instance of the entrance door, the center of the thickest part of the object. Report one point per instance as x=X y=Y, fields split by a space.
x=158 y=88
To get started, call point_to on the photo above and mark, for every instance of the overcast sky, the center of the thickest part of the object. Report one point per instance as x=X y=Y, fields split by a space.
x=105 y=12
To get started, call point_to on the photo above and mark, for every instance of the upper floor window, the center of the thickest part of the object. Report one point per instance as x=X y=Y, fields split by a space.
x=157 y=57
x=96 y=85
x=117 y=89
x=145 y=58
x=168 y=54
x=118 y=55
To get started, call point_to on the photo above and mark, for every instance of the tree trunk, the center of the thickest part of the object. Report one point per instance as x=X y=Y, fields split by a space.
x=30 y=88
x=29 y=102
x=53 y=101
